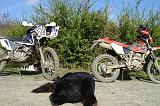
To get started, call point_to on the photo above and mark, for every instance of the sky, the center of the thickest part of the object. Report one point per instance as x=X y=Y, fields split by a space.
x=15 y=8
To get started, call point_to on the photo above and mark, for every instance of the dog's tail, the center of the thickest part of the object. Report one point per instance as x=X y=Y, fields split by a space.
x=48 y=87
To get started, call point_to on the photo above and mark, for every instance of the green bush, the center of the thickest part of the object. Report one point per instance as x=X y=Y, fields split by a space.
x=16 y=30
x=81 y=25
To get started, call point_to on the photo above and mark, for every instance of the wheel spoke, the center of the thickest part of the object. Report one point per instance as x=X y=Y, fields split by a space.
x=49 y=65
x=103 y=71
x=153 y=71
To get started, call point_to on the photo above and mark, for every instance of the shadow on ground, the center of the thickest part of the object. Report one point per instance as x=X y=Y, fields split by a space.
x=6 y=73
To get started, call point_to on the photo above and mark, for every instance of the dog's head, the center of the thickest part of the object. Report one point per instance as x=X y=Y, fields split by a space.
x=59 y=94
x=72 y=88
x=66 y=90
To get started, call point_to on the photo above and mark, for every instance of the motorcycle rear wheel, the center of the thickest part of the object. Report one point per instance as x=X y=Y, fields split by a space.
x=3 y=62
x=100 y=72
x=153 y=72
x=51 y=63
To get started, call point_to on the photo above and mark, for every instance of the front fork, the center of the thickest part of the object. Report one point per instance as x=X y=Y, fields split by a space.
x=155 y=62
x=41 y=54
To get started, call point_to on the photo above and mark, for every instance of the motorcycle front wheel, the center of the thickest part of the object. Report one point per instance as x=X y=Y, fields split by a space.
x=50 y=66
x=100 y=70
x=153 y=71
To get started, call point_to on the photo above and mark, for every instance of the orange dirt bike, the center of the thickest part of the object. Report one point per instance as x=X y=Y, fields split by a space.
x=106 y=67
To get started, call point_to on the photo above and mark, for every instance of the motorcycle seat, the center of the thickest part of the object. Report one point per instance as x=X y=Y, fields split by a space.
x=16 y=39
x=21 y=40
x=122 y=44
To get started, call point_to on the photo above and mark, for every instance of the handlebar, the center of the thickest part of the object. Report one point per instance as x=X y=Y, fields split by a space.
x=144 y=27
x=25 y=23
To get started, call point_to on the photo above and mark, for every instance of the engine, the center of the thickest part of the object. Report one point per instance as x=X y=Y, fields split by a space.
x=21 y=54
x=137 y=62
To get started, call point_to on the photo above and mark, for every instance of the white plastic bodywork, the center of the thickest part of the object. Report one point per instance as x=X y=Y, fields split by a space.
x=5 y=43
x=41 y=31
x=54 y=32
x=118 y=49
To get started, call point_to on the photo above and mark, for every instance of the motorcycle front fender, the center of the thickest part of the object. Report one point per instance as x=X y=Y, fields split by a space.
x=156 y=48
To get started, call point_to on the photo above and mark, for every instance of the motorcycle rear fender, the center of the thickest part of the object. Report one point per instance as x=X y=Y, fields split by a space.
x=115 y=47
x=5 y=43
x=101 y=44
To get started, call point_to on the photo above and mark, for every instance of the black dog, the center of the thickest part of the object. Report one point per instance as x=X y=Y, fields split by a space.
x=71 y=88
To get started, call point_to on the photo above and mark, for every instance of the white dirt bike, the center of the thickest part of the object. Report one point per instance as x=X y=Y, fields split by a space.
x=31 y=47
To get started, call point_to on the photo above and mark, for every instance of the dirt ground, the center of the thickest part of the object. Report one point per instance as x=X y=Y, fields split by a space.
x=16 y=90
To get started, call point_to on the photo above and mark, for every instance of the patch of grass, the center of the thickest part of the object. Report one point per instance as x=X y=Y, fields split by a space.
x=64 y=71
x=139 y=75
x=39 y=75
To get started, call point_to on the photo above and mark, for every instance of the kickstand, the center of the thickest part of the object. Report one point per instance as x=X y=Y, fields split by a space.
x=19 y=72
x=122 y=75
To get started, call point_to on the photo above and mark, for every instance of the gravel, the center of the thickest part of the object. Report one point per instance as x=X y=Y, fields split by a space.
x=16 y=91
